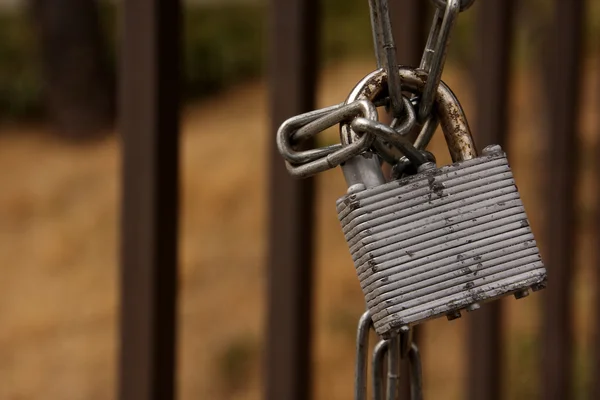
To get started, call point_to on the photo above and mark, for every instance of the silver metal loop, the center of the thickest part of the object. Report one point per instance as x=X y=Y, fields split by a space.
x=331 y=160
x=405 y=125
x=393 y=369
x=379 y=353
x=404 y=166
x=344 y=113
x=362 y=356
x=434 y=56
x=348 y=135
x=385 y=51
x=416 y=375
x=388 y=151
x=376 y=32
x=464 y=4
x=388 y=134
x=427 y=131
x=452 y=119
x=342 y=154
x=286 y=131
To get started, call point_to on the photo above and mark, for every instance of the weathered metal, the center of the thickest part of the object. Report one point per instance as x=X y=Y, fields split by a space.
x=494 y=33
x=437 y=242
x=149 y=128
x=434 y=56
x=385 y=52
x=292 y=76
x=459 y=139
x=563 y=93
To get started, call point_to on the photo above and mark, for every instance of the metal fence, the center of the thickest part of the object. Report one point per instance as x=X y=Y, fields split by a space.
x=149 y=106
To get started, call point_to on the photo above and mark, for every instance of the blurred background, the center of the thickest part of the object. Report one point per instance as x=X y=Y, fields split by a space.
x=59 y=201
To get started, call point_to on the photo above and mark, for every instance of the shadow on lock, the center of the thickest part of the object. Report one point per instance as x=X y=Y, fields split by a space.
x=442 y=240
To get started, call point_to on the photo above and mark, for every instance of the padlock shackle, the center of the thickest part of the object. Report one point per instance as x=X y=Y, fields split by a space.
x=450 y=113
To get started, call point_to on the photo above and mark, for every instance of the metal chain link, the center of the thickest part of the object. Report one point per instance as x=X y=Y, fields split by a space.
x=385 y=52
x=361 y=131
x=434 y=56
x=380 y=353
x=362 y=114
x=303 y=127
x=464 y=4
x=388 y=142
x=392 y=350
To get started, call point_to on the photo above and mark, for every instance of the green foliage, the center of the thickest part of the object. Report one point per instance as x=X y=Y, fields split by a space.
x=524 y=366
x=236 y=362
x=222 y=46
x=523 y=357
x=345 y=30
x=225 y=44
x=20 y=84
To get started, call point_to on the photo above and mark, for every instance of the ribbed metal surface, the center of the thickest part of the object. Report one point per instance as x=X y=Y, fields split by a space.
x=439 y=241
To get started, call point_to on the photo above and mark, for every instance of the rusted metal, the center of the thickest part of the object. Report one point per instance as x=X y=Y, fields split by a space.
x=451 y=116
x=292 y=76
x=563 y=93
x=439 y=241
x=149 y=125
x=494 y=40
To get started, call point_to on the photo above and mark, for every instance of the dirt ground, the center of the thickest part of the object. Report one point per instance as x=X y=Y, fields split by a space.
x=59 y=248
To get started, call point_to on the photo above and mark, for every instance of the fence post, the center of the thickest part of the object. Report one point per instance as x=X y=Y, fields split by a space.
x=149 y=126
x=292 y=78
x=563 y=92
x=492 y=78
x=409 y=29
x=409 y=24
x=595 y=383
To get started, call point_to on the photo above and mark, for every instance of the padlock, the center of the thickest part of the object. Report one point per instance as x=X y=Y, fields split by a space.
x=443 y=240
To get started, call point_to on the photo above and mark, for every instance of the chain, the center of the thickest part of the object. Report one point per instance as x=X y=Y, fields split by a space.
x=464 y=4
x=385 y=51
x=390 y=143
x=360 y=132
x=434 y=55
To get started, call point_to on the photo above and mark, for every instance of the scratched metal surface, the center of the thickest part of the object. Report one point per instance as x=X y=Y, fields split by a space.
x=438 y=242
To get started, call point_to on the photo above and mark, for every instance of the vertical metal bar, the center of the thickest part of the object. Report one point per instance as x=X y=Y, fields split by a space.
x=393 y=370
x=409 y=27
x=292 y=74
x=563 y=92
x=362 y=356
x=492 y=71
x=595 y=383
x=149 y=125
x=377 y=369
x=416 y=373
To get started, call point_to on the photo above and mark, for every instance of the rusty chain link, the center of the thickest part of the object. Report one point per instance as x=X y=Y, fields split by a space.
x=388 y=142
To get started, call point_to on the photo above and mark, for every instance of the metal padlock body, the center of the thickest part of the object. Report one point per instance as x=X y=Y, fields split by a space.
x=440 y=241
